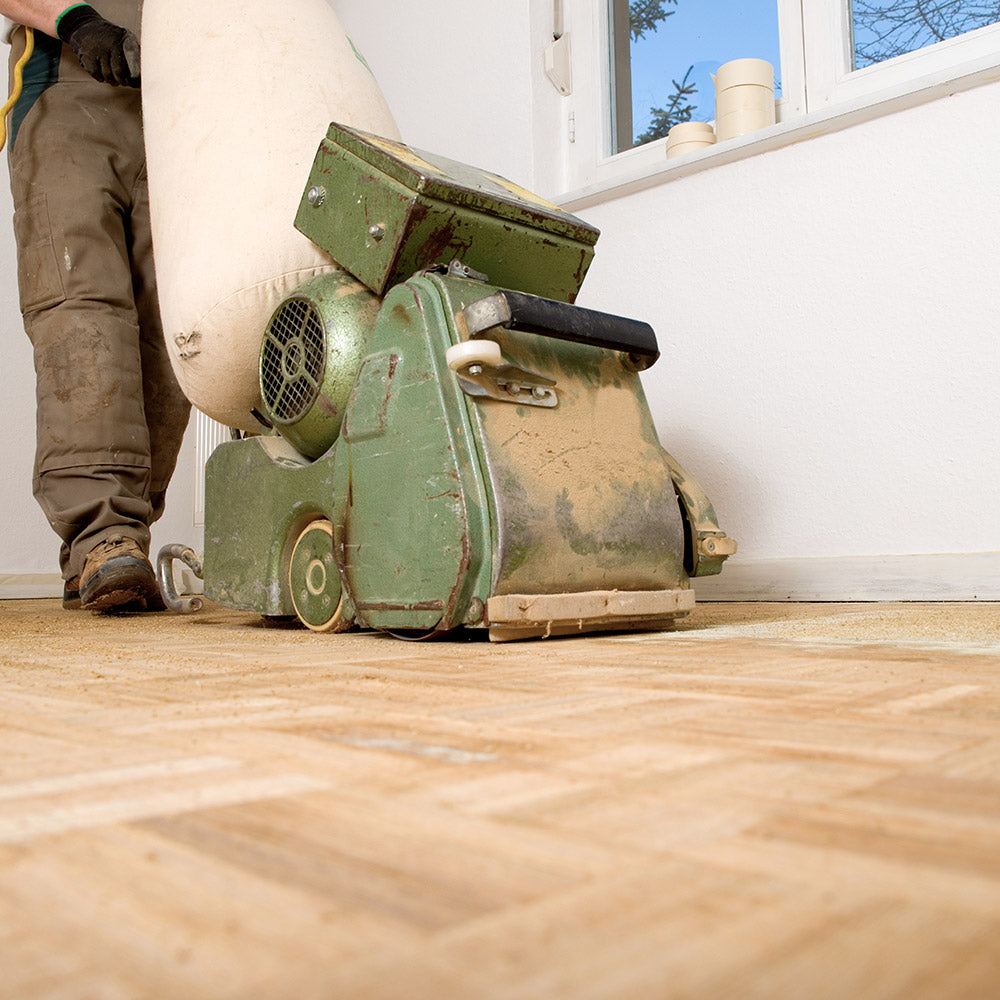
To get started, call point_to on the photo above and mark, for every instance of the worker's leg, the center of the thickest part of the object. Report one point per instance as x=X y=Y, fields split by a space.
x=74 y=166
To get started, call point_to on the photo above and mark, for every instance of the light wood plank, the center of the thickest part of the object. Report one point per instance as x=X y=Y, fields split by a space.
x=767 y=802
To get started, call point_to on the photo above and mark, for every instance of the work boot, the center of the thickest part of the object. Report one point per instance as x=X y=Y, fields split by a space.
x=71 y=594
x=154 y=603
x=116 y=573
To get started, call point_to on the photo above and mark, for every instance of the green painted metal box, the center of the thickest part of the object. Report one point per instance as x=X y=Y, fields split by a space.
x=384 y=211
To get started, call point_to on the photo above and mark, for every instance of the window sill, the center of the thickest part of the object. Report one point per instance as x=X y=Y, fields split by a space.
x=640 y=177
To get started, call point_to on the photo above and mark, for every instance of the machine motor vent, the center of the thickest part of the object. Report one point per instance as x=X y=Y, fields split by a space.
x=292 y=361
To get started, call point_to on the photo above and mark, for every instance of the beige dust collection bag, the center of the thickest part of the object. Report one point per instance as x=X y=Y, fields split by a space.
x=237 y=95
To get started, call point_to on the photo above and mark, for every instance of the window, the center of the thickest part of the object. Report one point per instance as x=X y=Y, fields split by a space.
x=640 y=66
x=867 y=49
x=893 y=28
x=665 y=54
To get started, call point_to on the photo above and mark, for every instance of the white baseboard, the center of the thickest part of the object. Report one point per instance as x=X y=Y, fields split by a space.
x=20 y=585
x=950 y=577
x=973 y=576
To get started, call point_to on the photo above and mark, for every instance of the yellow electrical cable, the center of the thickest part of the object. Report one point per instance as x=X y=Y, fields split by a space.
x=15 y=90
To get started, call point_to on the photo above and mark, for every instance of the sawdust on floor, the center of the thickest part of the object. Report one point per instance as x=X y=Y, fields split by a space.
x=42 y=625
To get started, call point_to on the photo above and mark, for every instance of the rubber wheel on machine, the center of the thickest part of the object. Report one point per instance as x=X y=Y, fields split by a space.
x=314 y=580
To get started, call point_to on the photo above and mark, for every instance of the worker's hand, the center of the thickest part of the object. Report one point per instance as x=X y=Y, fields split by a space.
x=108 y=52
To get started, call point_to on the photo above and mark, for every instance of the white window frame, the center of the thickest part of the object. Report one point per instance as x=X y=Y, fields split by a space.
x=831 y=80
x=820 y=93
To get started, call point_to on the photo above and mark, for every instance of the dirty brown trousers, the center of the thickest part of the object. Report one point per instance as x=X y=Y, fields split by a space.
x=110 y=415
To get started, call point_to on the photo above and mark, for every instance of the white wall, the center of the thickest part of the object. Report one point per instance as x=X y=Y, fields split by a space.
x=830 y=365
x=843 y=288
x=458 y=76
x=26 y=547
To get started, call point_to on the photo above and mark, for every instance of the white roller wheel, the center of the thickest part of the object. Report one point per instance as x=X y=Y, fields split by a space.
x=474 y=352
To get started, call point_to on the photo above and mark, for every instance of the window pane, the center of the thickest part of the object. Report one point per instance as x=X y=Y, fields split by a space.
x=893 y=27
x=664 y=53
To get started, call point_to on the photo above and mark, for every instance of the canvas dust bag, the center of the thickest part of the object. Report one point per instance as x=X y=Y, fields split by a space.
x=237 y=95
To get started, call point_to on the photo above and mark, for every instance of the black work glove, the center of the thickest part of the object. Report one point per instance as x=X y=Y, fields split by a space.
x=108 y=52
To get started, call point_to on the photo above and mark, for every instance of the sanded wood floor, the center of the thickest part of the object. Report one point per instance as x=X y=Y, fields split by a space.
x=774 y=801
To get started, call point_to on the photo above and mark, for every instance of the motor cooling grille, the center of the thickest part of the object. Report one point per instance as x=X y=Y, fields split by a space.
x=292 y=361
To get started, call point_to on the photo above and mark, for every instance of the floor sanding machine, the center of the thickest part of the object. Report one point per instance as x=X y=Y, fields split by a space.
x=451 y=443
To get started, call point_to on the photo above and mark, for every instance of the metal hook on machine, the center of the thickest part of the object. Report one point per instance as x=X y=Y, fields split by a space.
x=165 y=575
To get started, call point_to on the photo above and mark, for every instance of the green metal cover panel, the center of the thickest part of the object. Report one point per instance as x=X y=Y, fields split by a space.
x=384 y=211
x=259 y=494
x=411 y=523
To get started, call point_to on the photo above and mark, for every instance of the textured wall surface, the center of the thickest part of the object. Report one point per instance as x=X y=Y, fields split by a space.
x=830 y=369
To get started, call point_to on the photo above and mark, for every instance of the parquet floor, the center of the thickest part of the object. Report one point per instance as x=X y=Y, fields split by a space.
x=774 y=801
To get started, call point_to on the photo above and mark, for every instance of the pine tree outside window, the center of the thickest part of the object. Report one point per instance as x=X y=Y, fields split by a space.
x=665 y=52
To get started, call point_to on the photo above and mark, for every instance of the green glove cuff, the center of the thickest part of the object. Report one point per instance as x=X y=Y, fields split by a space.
x=72 y=17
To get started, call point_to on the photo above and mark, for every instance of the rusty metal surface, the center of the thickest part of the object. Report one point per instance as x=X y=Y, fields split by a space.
x=442 y=504
x=387 y=211
x=533 y=470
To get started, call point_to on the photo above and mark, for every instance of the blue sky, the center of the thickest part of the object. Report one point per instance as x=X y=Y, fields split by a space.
x=703 y=34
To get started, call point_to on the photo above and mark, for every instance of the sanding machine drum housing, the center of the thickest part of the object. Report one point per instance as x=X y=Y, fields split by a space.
x=452 y=443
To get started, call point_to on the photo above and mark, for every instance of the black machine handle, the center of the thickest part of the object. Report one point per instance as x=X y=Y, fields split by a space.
x=549 y=318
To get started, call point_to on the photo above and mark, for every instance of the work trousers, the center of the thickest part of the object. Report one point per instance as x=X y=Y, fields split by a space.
x=110 y=415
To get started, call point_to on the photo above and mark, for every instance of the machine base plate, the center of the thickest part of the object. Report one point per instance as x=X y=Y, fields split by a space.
x=529 y=616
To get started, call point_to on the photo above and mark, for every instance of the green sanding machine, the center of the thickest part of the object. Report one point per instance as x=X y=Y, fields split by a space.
x=452 y=443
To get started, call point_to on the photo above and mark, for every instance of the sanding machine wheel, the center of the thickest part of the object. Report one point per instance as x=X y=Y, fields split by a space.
x=314 y=579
